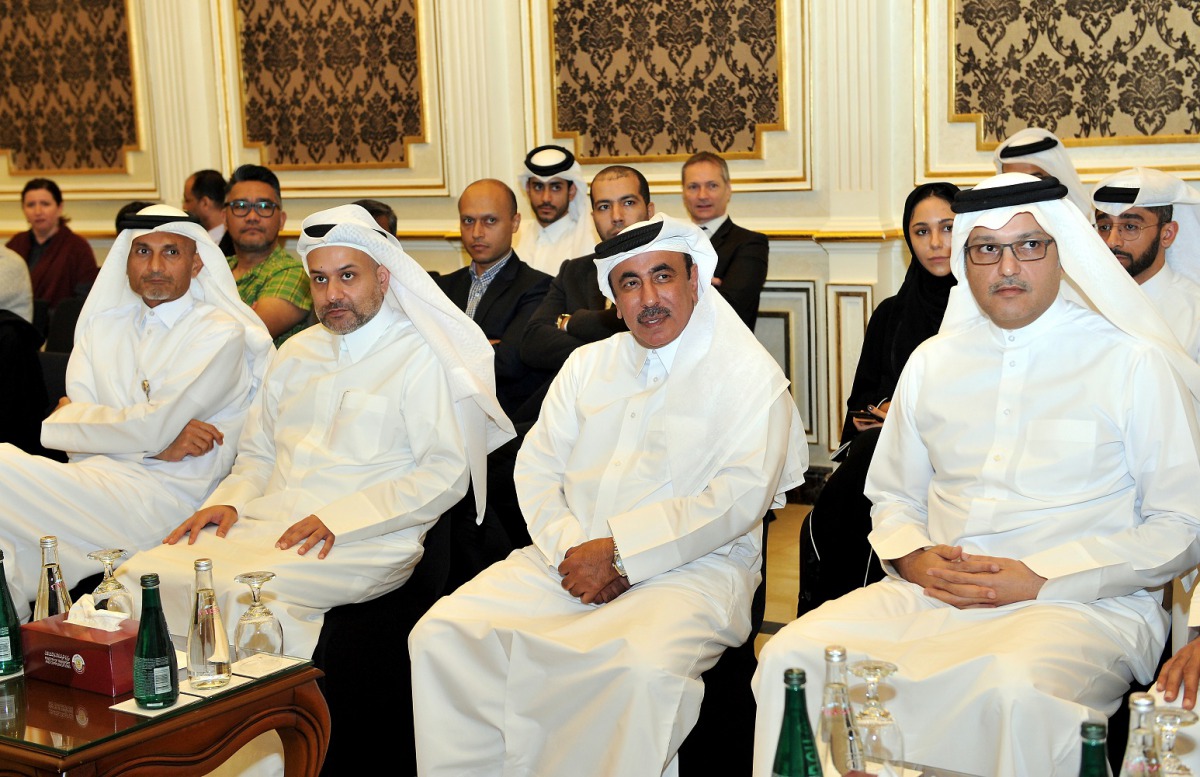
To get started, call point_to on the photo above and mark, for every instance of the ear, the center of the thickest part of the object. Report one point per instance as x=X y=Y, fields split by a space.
x=516 y=222
x=694 y=282
x=1170 y=231
x=383 y=276
x=282 y=218
x=650 y=215
x=197 y=264
x=571 y=191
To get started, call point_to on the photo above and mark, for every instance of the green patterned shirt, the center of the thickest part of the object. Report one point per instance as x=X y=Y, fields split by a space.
x=280 y=275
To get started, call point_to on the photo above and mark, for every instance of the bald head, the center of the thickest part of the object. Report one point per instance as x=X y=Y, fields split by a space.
x=487 y=221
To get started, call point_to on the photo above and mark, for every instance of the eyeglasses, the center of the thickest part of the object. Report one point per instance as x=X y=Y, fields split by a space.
x=1023 y=250
x=264 y=208
x=1127 y=231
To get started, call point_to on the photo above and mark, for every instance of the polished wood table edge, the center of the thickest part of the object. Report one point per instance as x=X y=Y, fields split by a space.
x=203 y=737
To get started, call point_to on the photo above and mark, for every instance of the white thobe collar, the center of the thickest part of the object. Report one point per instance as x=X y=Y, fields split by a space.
x=1160 y=280
x=558 y=230
x=167 y=312
x=664 y=355
x=358 y=343
x=711 y=226
x=1043 y=326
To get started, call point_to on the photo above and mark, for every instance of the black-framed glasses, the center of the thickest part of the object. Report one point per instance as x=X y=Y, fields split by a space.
x=1029 y=250
x=1127 y=231
x=264 y=208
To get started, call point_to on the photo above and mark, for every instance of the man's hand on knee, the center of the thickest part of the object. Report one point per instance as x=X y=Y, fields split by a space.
x=311 y=531
x=587 y=569
x=612 y=590
x=962 y=590
x=224 y=516
x=1182 y=668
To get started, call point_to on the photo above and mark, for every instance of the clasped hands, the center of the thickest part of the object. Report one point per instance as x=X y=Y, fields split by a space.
x=311 y=530
x=588 y=572
x=968 y=580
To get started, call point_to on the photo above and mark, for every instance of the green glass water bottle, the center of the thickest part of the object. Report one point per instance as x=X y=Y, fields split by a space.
x=11 y=659
x=1093 y=762
x=155 y=670
x=796 y=753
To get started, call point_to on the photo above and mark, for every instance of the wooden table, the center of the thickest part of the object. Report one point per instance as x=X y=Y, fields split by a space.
x=74 y=733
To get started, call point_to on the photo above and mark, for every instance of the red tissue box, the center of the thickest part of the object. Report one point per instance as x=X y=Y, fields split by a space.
x=79 y=657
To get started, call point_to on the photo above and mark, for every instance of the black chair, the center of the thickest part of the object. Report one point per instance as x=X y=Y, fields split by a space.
x=722 y=741
x=60 y=336
x=363 y=650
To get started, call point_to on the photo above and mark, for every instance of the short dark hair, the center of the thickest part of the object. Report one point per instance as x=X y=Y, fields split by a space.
x=255 y=173
x=43 y=183
x=1164 y=213
x=706 y=156
x=621 y=171
x=377 y=209
x=129 y=209
x=210 y=184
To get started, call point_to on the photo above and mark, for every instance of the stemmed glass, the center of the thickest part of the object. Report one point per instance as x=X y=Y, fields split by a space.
x=1168 y=721
x=882 y=743
x=110 y=594
x=258 y=630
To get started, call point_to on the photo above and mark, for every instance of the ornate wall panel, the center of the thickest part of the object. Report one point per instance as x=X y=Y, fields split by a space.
x=666 y=78
x=847 y=308
x=1087 y=69
x=68 y=92
x=331 y=83
x=787 y=328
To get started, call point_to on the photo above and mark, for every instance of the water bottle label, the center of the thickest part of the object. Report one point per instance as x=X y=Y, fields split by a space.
x=162 y=679
x=6 y=653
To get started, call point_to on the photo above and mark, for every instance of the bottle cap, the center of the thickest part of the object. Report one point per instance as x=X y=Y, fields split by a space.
x=150 y=580
x=49 y=542
x=835 y=653
x=1093 y=730
x=204 y=565
x=1142 y=702
x=794 y=676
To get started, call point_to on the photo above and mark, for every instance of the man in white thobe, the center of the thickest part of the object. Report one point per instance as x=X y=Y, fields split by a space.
x=561 y=228
x=166 y=362
x=644 y=484
x=1038 y=152
x=1035 y=480
x=362 y=435
x=1151 y=222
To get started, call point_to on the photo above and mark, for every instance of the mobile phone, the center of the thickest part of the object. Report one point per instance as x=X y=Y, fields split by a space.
x=865 y=415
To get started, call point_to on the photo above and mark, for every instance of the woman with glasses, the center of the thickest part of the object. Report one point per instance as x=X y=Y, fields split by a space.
x=835 y=557
x=61 y=263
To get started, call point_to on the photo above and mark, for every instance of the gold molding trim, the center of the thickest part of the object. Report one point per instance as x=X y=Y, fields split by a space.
x=835 y=358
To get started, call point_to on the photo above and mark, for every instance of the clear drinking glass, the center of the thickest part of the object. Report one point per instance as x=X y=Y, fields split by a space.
x=110 y=594
x=879 y=733
x=258 y=630
x=1168 y=721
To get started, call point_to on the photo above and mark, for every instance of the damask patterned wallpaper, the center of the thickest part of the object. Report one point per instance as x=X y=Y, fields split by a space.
x=666 y=78
x=66 y=92
x=1080 y=68
x=331 y=83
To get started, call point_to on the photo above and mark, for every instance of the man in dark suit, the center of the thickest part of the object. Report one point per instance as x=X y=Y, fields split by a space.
x=204 y=199
x=500 y=292
x=574 y=311
x=497 y=290
x=741 y=253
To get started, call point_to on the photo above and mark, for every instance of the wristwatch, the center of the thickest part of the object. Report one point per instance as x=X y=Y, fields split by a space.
x=563 y=318
x=618 y=564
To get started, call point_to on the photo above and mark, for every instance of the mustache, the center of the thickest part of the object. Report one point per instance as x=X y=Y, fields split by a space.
x=1125 y=254
x=1006 y=283
x=155 y=276
x=657 y=311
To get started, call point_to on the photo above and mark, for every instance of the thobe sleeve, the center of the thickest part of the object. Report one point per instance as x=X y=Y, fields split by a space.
x=256 y=447
x=422 y=494
x=661 y=536
x=1160 y=449
x=899 y=477
x=207 y=374
x=541 y=468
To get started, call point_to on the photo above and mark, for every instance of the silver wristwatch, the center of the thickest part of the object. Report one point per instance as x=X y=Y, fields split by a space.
x=618 y=564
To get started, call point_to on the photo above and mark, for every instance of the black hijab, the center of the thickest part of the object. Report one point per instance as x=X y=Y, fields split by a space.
x=921 y=300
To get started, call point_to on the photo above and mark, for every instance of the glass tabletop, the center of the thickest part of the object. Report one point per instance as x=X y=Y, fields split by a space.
x=62 y=720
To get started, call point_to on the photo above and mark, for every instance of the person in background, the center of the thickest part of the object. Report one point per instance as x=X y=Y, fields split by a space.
x=61 y=263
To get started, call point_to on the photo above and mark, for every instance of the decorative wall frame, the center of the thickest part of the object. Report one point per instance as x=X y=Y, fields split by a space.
x=787 y=328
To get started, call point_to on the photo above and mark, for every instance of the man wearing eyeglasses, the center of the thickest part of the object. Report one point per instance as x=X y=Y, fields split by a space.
x=1151 y=222
x=1033 y=489
x=270 y=280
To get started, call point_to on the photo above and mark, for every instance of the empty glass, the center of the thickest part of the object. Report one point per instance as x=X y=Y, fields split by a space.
x=110 y=594
x=258 y=630
x=879 y=733
x=1168 y=722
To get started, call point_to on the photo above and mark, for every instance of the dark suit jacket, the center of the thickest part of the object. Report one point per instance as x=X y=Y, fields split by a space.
x=226 y=244
x=502 y=314
x=574 y=290
x=742 y=268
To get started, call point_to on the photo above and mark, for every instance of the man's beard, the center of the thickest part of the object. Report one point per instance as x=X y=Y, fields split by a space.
x=1140 y=264
x=357 y=319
